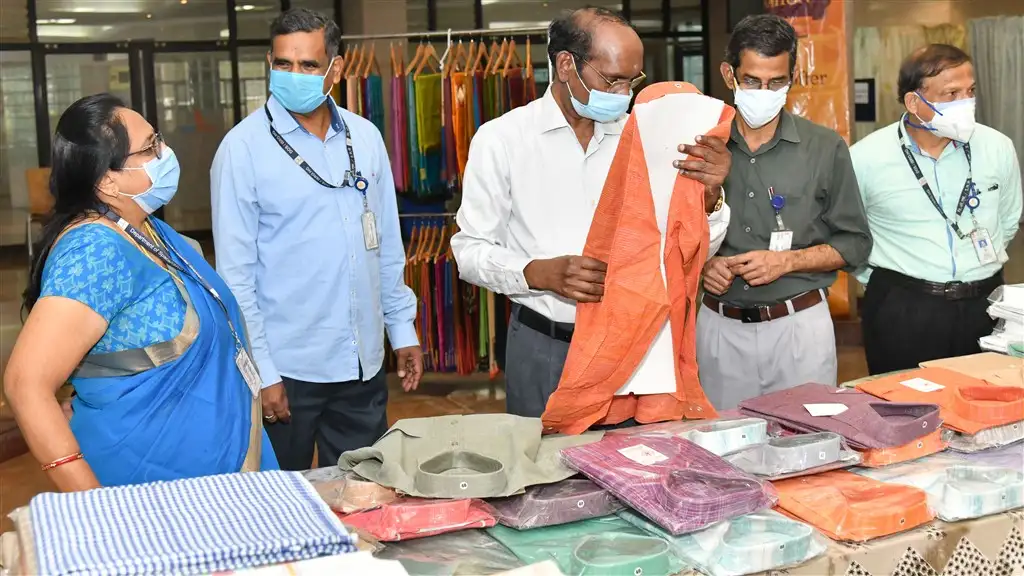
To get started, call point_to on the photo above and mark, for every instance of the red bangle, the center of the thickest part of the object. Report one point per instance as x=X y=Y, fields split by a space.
x=62 y=461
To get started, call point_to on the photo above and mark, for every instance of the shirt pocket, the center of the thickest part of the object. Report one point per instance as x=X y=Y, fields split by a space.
x=803 y=210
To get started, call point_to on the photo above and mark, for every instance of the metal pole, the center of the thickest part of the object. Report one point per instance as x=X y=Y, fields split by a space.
x=444 y=33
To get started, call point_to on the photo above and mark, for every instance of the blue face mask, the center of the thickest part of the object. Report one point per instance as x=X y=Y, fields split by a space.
x=299 y=93
x=163 y=172
x=602 y=106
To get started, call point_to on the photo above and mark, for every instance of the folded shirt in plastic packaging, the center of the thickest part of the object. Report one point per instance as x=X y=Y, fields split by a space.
x=957 y=490
x=672 y=481
x=746 y=545
x=471 y=456
x=720 y=437
x=465 y=553
x=1007 y=308
x=553 y=504
x=1004 y=435
x=182 y=527
x=798 y=455
x=595 y=547
x=408 y=518
x=356 y=563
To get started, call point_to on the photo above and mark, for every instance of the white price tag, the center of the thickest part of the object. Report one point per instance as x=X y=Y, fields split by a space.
x=781 y=241
x=922 y=385
x=825 y=409
x=249 y=372
x=643 y=455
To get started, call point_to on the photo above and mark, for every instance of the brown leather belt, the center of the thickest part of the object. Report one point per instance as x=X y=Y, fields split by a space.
x=764 y=313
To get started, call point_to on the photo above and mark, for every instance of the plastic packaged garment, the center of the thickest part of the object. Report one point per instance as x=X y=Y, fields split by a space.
x=997 y=369
x=471 y=456
x=356 y=563
x=749 y=544
x=599 y=546
x=567 y=501
x=924 y=446
x=672 y=481
x=968 y=405
x=989 y=438
x=408 y=518
x=957 y=490
x=797 y=455
x=1005 y=457
x=865 y=421
x=853 y=508
x=639 y=359
x=465 y=553
x=545 y=568
x=720 y=436
x=346 y=492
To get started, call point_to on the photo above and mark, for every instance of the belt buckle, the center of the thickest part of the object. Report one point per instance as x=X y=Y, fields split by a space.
x=752 y=315
x=952 y=290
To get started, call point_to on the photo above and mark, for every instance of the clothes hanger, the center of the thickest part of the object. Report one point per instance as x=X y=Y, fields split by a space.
x=371 y=63
x=415 y=59
x=512 y=60
x=528 y=72
x=492 y=56
x=430 y=58
x=346 y=61
x=481 y=54
x=500 y=59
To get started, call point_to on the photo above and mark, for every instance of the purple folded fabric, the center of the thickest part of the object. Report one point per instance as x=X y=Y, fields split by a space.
x=553 y=504
x=677 y=484
x=868 y=422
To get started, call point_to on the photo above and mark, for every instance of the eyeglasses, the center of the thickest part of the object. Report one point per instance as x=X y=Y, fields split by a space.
x=755 y=84
x=156 y=148
x=617 y=85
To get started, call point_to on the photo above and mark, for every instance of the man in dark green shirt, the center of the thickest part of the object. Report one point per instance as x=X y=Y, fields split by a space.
x=797 y=218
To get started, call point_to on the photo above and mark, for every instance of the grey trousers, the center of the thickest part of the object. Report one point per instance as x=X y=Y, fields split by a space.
x=739 y=361
x=533 y=367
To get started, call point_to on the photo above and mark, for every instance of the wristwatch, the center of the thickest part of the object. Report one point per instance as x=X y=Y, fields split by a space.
x=720 y=203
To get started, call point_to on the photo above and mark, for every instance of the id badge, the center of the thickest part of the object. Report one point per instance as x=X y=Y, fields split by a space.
x=983 y=246
x=249 y=372
x=781 y=241
x=370 y=239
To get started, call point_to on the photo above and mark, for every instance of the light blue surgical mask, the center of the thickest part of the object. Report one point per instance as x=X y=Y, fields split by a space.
x=163 y=173
x=602 y=106
x=299 y=93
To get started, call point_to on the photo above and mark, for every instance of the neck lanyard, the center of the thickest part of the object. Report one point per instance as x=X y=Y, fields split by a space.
x=162 y=254
x=965 y=195
x=353 y=177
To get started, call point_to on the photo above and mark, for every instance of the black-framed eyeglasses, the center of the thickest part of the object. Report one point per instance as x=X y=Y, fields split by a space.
x=773 y=85
x=616 y=85
x=156 y=147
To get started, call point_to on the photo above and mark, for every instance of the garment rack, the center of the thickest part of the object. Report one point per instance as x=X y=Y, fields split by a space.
x=449 y=33
x=427 y=215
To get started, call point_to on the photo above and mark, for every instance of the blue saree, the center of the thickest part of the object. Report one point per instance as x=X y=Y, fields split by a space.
x=175 y=408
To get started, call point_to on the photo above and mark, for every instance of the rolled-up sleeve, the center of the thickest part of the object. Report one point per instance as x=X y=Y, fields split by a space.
x=844 y=212
x=481 y=245
x=398 y=301
x=718 y=225
x=235 y=212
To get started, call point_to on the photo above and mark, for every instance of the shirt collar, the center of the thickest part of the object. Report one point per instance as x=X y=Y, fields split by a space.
x=913 y=144
x=284 y=122
x=552 y=118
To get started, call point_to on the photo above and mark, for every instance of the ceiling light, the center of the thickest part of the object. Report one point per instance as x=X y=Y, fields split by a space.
x=184 y=1
x=148 y=16
x=56 y=21
x=225 y=33
x=244 y=8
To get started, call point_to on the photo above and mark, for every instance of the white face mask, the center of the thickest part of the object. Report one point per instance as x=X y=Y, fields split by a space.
x=953 y=120
x=759 y=107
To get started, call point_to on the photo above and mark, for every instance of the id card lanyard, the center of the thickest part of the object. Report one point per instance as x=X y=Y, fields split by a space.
x=242 y=359
x=353 y=178
x=781 y=239
x=969 y=198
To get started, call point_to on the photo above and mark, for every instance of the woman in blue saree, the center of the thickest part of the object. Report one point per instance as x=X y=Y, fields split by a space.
x=126 y=308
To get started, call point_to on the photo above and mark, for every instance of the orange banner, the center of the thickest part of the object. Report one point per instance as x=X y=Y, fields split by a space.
x=821 y=86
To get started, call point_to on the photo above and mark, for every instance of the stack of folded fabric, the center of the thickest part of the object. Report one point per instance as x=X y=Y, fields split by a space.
x=181 y=527
x=980 y=415
x=884 y=432
x=1007 y=309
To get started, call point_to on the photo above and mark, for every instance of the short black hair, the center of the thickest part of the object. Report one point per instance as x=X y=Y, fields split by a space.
x=927 y=62
x=567 y=34
x=766 y=34
x=305 y=20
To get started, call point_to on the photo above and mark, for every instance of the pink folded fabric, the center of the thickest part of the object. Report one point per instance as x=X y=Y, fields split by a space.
x=408 y=518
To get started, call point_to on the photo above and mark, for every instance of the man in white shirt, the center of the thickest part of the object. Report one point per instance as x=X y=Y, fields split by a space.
x=531 y=187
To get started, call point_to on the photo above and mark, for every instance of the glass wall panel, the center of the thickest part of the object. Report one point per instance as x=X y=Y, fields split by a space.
x=254 y=17
x=121 y=20
x=17 y=129
x=252 y=73
x=685 y=15
x=72 y=76
x=457 y=15
x=646 y=15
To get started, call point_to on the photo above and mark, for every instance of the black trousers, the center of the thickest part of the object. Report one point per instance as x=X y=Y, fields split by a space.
x=903 y=327
x=337 y=417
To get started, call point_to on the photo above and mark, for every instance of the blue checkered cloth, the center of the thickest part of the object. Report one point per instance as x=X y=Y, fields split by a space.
x=194 y=526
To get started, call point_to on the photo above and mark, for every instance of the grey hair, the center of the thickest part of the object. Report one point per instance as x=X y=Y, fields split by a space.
x=305 y=20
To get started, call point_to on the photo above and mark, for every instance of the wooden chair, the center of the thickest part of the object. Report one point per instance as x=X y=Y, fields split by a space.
x=40 y=203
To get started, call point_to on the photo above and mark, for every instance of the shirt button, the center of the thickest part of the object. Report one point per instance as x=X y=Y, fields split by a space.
x=747 y=229
x=750 y=194
x=353 y=342
x=753 y=160
x=746 y=287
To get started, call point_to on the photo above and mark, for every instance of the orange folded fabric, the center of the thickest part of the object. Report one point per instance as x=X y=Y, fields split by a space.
x=613 y=336
x=968 y=405
x=924 y=446
x=852 y=508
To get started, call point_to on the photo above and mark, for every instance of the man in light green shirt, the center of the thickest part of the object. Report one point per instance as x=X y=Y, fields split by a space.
x=934 y=263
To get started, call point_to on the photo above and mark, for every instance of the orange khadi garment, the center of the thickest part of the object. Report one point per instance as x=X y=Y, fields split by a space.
x=919 y=448
x=852 y=508
x=968 y=405
x=612 y=338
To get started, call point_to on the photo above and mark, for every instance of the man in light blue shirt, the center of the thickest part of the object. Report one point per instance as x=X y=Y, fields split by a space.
x=934 y=263
x=312 y=249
